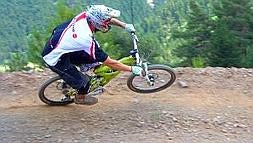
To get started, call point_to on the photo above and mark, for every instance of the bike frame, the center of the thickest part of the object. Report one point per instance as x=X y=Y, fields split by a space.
x=106 y=74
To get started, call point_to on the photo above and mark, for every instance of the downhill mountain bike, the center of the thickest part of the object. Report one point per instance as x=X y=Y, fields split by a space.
x=156 y=77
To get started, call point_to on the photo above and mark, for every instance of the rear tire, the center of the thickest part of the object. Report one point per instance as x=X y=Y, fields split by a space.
x=44 y=97
x=159 y=73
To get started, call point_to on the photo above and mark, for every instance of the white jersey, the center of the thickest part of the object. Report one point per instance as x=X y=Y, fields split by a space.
x=76 y=37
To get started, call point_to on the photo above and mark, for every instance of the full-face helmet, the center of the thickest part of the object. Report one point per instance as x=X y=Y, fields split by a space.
x=100 y=15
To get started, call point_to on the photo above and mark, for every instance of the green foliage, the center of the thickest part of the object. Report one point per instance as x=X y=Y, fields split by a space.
x=36 y=41
x=116 y=42
x=220 y=36
x=149 y=47
x=17 y=18
x=198 y=62
x=18 y=61
x=132 y=11
x=233 y=34
x=177 y=32
x=155 y=35
x=166 y=18
x=63 y=13
x=224 y=50
x=195 y=34
x=3 y=68
x=248 y=59
x=38 y=38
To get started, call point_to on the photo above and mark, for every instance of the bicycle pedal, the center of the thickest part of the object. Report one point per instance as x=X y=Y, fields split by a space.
x=66 y=98
x=97 y=91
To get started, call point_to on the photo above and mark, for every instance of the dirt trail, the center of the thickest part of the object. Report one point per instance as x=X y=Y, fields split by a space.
x=215 y=106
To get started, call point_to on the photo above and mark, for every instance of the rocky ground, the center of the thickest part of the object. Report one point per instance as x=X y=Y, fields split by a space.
x=213 y=105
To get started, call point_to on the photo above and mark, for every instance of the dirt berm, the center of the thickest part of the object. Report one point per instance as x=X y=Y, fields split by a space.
x=210 y=105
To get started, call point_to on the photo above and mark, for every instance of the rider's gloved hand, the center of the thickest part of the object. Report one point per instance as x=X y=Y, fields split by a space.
x=137 y=70
x=130 y=28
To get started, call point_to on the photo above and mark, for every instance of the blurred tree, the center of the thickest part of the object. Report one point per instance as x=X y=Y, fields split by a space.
x=195 y=35
x=224 y=51
x=136 y=8
x=17 y=18
x=38 y=38
x=234 y=18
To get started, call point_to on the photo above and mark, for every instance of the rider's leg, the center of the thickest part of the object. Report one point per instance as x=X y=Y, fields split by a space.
x=75 y=79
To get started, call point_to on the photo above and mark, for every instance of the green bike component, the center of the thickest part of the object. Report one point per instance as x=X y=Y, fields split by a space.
x=104 y=73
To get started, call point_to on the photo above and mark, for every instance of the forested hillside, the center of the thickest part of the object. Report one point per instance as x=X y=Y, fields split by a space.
x=196 y=33
x=19 y=17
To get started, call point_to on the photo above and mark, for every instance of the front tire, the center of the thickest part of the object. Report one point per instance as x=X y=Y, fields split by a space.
x=163 y=77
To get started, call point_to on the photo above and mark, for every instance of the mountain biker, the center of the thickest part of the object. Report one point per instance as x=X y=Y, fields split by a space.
x=72 y=43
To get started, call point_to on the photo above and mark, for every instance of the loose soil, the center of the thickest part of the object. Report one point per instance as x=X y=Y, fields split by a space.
x=213 y=105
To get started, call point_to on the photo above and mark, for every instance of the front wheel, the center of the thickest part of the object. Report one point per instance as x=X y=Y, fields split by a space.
x=56 y=92
x=160 y=75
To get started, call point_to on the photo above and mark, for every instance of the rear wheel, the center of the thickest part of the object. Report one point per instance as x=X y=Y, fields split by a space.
x=161 y=77
x=56 y=92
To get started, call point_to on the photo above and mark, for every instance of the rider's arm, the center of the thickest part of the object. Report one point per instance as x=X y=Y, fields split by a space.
x=117 y=22
x=101 y=56
x=128 y=27
x=117 y=65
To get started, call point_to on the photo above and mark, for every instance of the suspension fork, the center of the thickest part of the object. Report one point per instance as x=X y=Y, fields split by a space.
x=144 y=65
x=147 y=75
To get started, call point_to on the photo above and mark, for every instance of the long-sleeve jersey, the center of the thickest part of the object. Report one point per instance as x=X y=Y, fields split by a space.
x=75 y=36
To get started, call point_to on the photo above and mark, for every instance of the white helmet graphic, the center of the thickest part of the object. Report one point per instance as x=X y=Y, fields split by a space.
x=99 y=16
